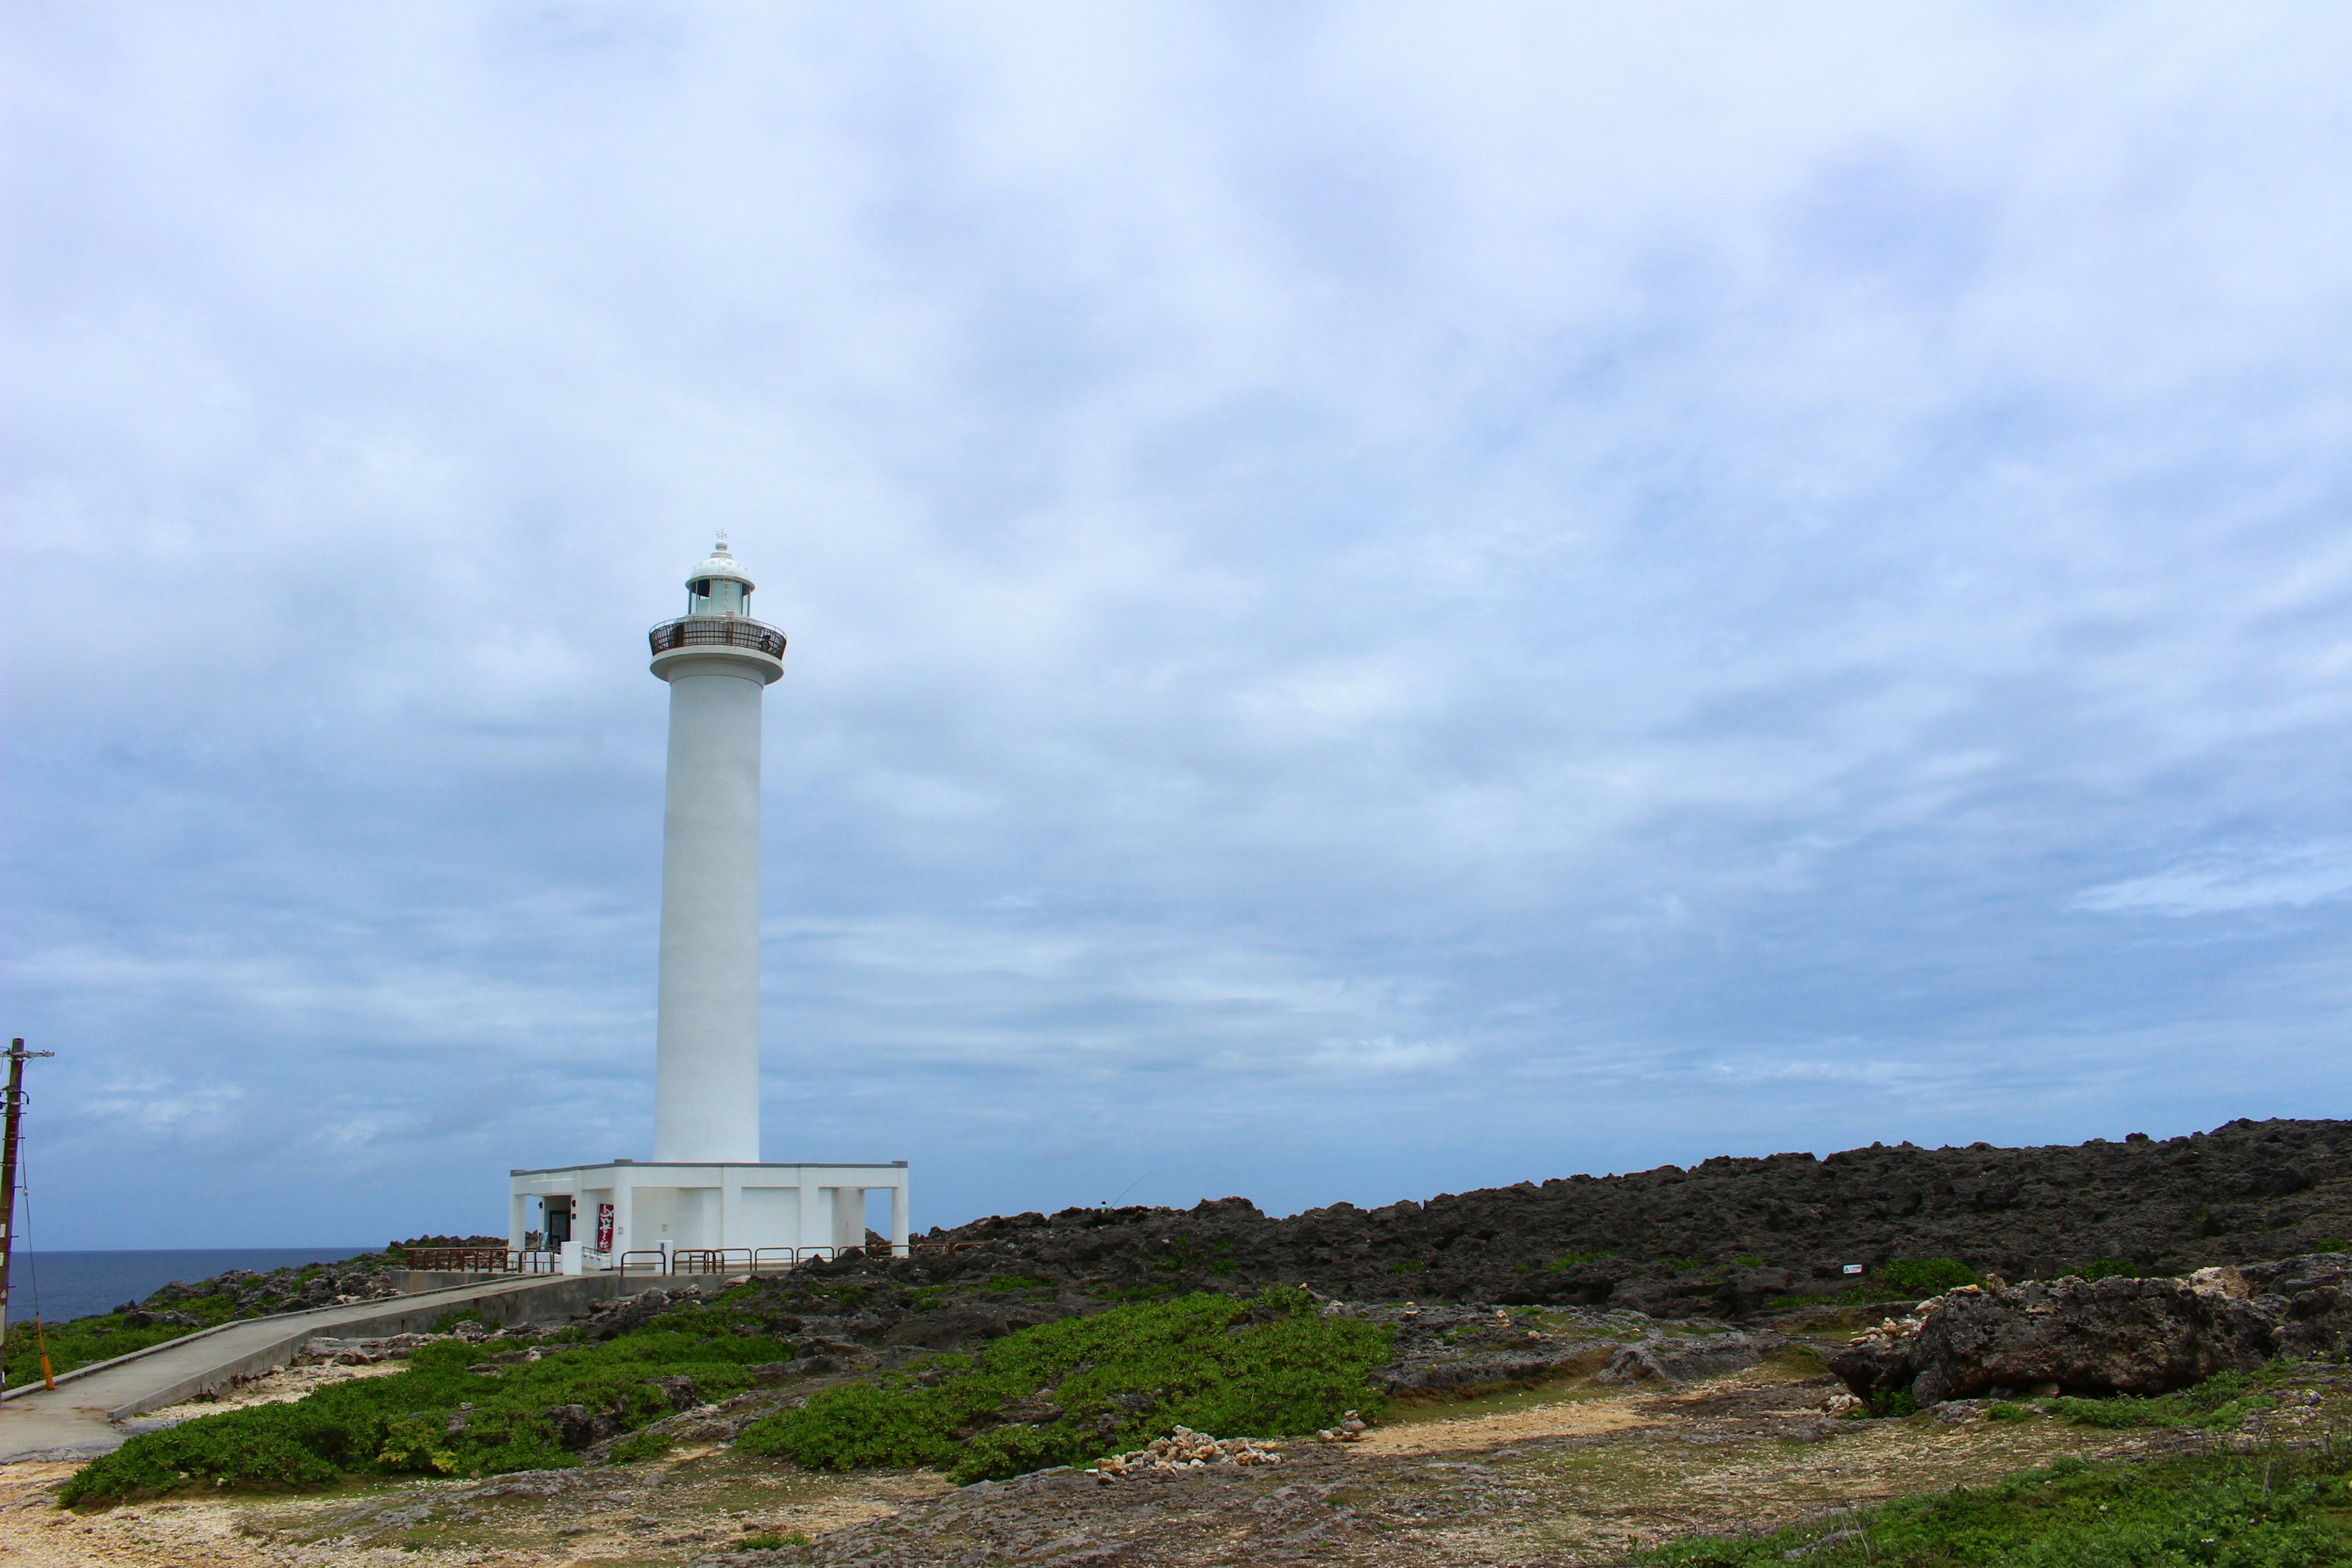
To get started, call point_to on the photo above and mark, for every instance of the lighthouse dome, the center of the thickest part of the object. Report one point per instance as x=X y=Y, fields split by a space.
x=719 y=585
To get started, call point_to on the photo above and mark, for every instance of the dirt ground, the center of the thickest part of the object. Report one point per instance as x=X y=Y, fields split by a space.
x=1571 y=1474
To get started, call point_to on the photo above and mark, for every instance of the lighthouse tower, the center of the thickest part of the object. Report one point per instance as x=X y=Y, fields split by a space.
x=706 y=1201
x=719 y=662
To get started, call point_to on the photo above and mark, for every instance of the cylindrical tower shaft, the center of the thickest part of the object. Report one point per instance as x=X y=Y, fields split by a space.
x=707 y=1073
x=718 y=661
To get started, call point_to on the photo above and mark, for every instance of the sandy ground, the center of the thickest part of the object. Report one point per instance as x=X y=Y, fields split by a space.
x=1530 y=1420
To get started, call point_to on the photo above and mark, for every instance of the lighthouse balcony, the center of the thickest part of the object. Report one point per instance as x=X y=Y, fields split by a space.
x=717 y=631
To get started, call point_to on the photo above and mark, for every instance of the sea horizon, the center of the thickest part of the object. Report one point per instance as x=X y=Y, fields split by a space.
x=63 y=1285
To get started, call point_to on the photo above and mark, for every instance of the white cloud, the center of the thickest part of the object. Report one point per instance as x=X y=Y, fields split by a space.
x=2308 y=874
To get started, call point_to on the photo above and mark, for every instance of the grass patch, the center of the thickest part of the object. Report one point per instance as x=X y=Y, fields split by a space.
x=2236 y=1511
x=2108 y=1268
x=1002 y=1283
x=1184 y=1253
x=437 y=1419
x=83 y=1342
x=641 y=1447
x=1797 y=1361
x=1067 y=1393
x=769 y=1541
x=2221 y=1401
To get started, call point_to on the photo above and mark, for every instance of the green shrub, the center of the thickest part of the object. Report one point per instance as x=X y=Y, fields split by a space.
x=769 y=1541
x=2108 y=1268
x=2008 y=1411
x=1926 y=1276
x=1747 y=1262
x=2333 y=1244
x=2233 y=1510
x=1263 y=1366
x=435 y=1418
x=1893 y=1403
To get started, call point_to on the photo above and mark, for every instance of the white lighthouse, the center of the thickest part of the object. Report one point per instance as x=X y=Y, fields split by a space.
x=719 y=662
x=706 y=1192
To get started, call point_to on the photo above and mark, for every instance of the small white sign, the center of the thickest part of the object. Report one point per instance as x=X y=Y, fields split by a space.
x=1854 y=1268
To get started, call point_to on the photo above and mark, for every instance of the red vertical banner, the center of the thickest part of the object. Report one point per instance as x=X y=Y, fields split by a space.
x=603 y=1227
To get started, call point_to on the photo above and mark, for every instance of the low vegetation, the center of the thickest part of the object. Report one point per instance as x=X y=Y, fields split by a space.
x=2241 y=1510
x=1069 y=1391
x=2218 y=1403
x=438 y=1417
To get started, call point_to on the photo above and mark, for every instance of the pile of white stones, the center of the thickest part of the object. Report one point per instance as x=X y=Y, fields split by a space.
x=1185 y=1450
x=1350 y=1429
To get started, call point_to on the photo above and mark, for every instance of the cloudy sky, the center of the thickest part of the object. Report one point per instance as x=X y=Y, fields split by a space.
x=1383 y=598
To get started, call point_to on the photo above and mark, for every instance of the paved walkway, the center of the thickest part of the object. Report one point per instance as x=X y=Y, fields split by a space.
x=76 y=1420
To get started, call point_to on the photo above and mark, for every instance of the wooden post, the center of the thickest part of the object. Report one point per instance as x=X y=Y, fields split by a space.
x=11 y=1111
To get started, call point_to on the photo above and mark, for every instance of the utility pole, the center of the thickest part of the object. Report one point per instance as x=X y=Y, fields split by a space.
x=11 y=1114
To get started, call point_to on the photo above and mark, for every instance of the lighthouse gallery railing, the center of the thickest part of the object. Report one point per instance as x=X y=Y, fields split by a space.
x=717 y=631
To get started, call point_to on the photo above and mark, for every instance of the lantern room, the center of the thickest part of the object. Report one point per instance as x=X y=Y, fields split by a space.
x=719 y=586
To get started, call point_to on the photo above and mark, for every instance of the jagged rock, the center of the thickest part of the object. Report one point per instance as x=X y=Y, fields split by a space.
x=2084 y=1337
x=2310 y=1299
x=143 y=1320
x=1684 y=1361
x=576 y=1427
x=1740 y=1231
x=949 y=1327
x=679 y=1391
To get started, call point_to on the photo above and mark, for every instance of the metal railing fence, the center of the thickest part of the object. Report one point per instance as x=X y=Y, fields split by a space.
x=483 y=1260
x=717 y=631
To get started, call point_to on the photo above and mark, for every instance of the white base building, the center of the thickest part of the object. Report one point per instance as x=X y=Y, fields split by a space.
x=595 y=1214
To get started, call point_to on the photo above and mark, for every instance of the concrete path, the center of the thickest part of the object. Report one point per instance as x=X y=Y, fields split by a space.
x=76 y=1421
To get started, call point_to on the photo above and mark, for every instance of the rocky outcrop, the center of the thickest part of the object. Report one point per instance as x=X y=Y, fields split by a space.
x=1724 y=1238
x=2096 y=1337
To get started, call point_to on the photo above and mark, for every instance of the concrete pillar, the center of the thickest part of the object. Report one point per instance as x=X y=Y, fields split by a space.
x=706 y=1064
x=518 y=1219
x=848 y=1217
x=899 y=1237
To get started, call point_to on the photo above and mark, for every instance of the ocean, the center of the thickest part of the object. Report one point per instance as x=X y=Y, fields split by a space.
x=77 y=1284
